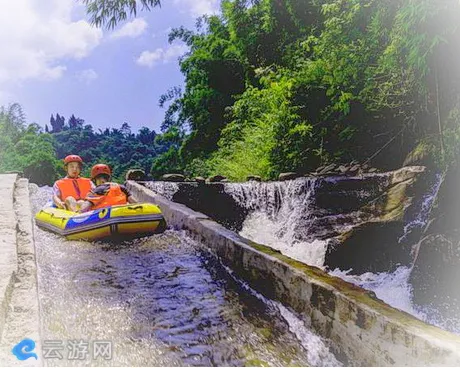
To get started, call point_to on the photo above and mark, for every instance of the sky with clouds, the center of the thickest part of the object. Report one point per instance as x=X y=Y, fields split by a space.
x=54 y=61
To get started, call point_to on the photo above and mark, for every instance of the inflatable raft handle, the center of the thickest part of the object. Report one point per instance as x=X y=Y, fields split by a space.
x=139 y=207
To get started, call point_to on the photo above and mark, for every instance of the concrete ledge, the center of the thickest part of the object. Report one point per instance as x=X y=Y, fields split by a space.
x=362 y=329
x=8 y=253
x=21 y=319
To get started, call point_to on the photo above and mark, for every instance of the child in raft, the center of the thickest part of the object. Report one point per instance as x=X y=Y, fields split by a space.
x=106 y=192
x=69 y=192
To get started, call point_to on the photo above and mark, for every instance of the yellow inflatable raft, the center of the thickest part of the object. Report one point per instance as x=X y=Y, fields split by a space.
x=133 y=220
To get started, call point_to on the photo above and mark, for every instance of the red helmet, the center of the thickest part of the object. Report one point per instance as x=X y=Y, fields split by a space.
x=72 y=158
x=100 y=169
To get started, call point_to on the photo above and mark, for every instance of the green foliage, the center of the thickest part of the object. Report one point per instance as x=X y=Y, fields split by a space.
x=198 y=167
x=356 y=82
x=39 y=155
x=261 y=126
x=281 y=85
x=26 y=149
x=170 y=160
x=112 y=12
x=119 y=148
x=214 y=73
x=451 y=155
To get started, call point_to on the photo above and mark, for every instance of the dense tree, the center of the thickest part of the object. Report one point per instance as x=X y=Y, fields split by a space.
x=26 y=149
x=119 y=148
x=57 y=124
x=75 y=123
x=38 y=154
x=339 y=81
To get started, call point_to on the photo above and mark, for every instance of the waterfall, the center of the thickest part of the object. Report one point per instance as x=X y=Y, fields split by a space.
x=290 y=216
x=278 y=210
x=423 y=211
x=280 y=217
x=394 y=288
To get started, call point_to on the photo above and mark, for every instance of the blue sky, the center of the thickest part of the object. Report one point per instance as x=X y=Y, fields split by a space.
x=57 y=63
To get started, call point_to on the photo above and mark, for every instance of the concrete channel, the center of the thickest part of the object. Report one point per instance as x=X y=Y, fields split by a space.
x=361 y=329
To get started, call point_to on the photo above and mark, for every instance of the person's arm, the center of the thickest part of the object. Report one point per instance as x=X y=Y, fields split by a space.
x=57 y=201
x=130 y=198
x=95 y=197
x=57 y=197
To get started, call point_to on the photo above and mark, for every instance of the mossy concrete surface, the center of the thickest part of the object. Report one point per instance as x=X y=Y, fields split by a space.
x=362 y=329
x=18 y=274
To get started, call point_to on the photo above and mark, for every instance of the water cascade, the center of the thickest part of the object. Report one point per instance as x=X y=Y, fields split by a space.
x=279 y=216
x=282 y=215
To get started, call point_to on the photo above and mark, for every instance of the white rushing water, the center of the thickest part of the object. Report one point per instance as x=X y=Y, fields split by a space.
x=393 y=288
x=422 y=216
x=276 y=211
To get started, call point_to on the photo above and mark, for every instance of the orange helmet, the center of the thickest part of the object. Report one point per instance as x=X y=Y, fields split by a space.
x=100 y=169
x=72 y=158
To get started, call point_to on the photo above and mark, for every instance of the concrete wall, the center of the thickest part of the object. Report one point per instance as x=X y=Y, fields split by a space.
x=362 y=215
x=362 y=329
x=19 y=306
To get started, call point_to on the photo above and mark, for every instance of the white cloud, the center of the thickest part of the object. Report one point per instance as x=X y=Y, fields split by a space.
x=86 y=76
x=38 y=35
x=53 y=72
x=132 y=29
x=198 y=7
x=174 y=51
x=151 y=58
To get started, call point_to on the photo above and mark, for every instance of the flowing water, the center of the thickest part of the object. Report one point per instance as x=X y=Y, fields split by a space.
x=161 y=300
x=419 y=221
x=279 y=209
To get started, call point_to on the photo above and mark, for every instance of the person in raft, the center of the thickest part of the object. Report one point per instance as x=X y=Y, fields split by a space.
x=69 y=192
x=106 y=192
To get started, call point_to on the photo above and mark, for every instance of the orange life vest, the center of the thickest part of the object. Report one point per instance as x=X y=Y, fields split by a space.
x=77 y=188
x=114 y=196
